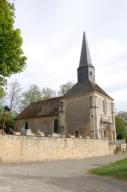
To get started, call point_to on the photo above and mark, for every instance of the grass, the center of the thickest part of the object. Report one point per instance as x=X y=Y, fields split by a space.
x=117 y=170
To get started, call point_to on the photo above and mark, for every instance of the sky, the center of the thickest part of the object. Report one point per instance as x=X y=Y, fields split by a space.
x=52 y=33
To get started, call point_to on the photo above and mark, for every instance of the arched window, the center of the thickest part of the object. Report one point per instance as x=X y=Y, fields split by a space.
x=56 y=126
x=76 y=134
x=26 y=125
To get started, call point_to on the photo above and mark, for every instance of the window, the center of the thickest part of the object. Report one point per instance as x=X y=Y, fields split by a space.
x=56 y=126
x=90 y=72
x=104 y=106
x=91 y=101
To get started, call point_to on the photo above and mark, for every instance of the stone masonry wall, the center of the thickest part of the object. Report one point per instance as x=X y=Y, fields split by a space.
x=30 y=149
x=44 y=124
x=77 y=115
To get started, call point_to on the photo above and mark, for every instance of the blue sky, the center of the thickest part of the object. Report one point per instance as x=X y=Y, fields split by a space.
x=52 y=32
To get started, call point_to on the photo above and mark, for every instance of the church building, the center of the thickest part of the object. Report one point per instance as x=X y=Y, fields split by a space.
x=86 y=110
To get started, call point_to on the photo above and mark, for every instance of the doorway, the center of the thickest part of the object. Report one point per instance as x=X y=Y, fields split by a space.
x=76 y=133
x=26 y=125
x=56 y=126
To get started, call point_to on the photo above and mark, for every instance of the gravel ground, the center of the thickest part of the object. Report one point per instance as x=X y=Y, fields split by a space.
x=59 y=176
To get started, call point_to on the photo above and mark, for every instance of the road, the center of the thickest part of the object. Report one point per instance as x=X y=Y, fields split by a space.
x=59 y=176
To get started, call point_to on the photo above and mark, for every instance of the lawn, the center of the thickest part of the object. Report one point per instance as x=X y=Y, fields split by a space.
x=117 y=170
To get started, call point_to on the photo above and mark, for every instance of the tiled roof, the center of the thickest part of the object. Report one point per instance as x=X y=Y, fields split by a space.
x=46 y=107
x=84 y=87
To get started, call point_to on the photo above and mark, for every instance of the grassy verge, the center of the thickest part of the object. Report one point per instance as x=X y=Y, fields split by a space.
x=117 y=170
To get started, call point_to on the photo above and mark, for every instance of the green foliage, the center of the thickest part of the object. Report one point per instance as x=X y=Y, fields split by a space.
x=123 y=114
x=65 y=88
x=31 y=96
x=2 y=84
x=34 y=94
x=117 y=169
x=12 y=59
x=1 y=113
x=121 y=127
x=9 y=121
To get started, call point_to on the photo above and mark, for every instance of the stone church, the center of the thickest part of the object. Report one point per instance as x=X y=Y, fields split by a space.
x=86 y=110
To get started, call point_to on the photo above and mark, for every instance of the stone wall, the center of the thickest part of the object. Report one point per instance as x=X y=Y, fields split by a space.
x=105 y=119
x=44 y=124
x=117 y=148
x=28 y=148
x=77 y=115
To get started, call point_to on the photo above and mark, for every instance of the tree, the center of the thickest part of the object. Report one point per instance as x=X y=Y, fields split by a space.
x=121 y=128
x=65 y=88
x=123 y=114
x=31 y=96
x=48 y=93
x=12 y=59
x=8 y=119
x=14 y=96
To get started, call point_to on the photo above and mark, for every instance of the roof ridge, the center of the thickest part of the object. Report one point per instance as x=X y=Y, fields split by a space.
x=104 y=92
x=53 y=98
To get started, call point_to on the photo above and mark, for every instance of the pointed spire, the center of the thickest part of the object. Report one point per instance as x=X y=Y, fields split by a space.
x=86 y=71
x=85 y=59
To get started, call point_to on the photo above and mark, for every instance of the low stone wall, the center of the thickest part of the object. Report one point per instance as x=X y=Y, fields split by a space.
x=117 y=147
x=112 y=149
x=27 y=149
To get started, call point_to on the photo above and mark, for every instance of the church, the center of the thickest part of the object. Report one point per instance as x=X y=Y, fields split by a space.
x=85 y=111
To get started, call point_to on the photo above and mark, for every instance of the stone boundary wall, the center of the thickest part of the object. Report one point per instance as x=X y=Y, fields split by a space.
x=117 y=148
x=30 y=149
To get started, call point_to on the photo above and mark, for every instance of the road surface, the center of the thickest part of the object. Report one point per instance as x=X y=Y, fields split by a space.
x=59 y=176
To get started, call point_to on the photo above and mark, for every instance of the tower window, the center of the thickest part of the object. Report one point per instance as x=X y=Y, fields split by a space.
x=90 y=72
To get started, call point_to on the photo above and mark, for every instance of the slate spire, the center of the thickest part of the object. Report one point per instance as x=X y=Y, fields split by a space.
x=86 y=71
x=85 y=58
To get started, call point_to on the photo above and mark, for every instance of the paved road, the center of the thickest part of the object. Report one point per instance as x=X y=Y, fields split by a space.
x=59 y=176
